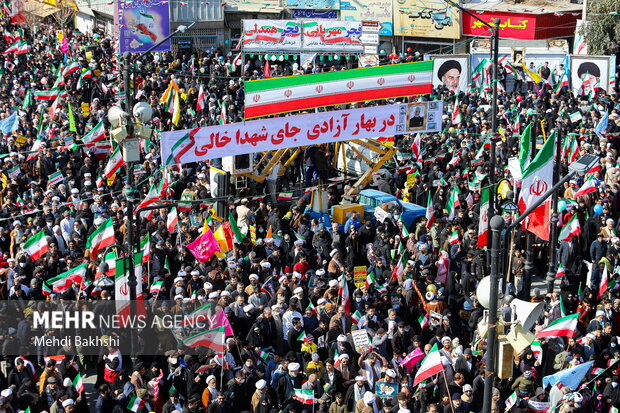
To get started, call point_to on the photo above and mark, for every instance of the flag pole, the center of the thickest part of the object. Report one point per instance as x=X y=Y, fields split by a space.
x=443 y=373
x=222 y=367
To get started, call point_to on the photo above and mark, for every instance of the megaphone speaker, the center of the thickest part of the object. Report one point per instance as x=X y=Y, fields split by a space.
x=526 y=313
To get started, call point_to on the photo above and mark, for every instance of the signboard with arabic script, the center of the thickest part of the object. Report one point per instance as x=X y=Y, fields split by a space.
x=312 y=4
x=199 y=144
x=376 y=10
x=271 y=35
x=340 y=36
x=426 y=18
x=314 y=14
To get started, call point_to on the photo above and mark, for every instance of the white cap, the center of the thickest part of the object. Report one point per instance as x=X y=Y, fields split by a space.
x=360 y=378
x=446 y=338
x=430 y=296
x=248 y=308
x=333 y=252
x=369 y=397
x=293 y=367
x=213 y=295
x=282 y=279
x=265 y=264
x=66 y=382
x=342 y=338
x=181 y=273
x=68 y=402
x=298 y=242
x=296 y=274
x=195 y=272
x=208 y=286
x=211 y=377
x=320 y=272
x=253 y=277
x=177 y=279
x=225 y=293
x=298 y=290
x=333 y=283
x=8 y=392
x=391 y=373
x=321 y=301
x=261 y=384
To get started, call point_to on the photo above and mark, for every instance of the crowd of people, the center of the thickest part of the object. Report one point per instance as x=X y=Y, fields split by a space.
x=286 y=288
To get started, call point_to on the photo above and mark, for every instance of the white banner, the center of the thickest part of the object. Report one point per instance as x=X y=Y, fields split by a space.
x=337 y=36
x=200 y=144
x=267 y=35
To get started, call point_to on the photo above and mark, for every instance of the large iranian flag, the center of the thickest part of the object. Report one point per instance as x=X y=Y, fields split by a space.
x=304 y=396
x=430 y=211
x=483 y=223
x=570 y=229
x=36 y=246
x=430 y=366
x=100 y=238
x=63 y=281
x=95 y=135
x=537 y=179
x=588 y=187
x=212 y=339
x=121 y=292
x=291 y=93
x=114 y=163
x=561 y=327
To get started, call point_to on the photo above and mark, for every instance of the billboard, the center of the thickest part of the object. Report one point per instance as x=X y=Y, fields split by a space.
x=525 y=26
x=312 y=4
x=332 y=36
x=379 y=11
x=588 y=73
x=426 y=18
x=268 y=35
x=451 y=71
x=199 y=144
x=142 y=25
x=314 y=14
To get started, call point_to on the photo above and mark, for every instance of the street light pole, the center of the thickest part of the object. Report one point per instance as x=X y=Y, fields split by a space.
x=492 y=177
x=497 y=224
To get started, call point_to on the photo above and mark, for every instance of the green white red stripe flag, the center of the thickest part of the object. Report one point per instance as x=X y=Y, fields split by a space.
x=212 y=339
x=102 y=237
x=511 y=401
x=36 y=246
x=536 y=180
x=145 y=248
x=454 y=202
x=570 y=229
x=114 y=163
x=431 y=365
x=50 y=94
x=483 y=223
x=292 y=93
x=135 y=403
x=78 y=383
x=561 y=327
x=95 y=135
x=588 y=187
x=156 y=287
x=63 y=281
x=430 y=212
x=304 y=396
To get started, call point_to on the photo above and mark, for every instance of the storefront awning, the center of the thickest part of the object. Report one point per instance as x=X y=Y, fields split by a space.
x=39 y=9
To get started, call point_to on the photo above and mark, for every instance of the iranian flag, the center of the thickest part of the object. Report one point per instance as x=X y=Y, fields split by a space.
x=430 y=212
x=537 y=179
x=102 y=237
x=416 y=147
x=370 y=279
x=88 y=74
x=604 y=283
x=50 y=94
x=454 y=238
x=286 y=196
x=430 y=366
x=483 y=223
x=562 y=327
x=110 y=259
x=121 y=292
x=156 y=287
x=302 y=337
x=560 y=272
x=145 y=248
x=356 y=317
x=405 y=232
x=511 y=401
x=151 y=197
x=400 y=267
x=212 y=339
x=570 y=229
x=172 y=221
x=71 y=68
x=525 y=149
x=198 y=315
x=238 y=235
x=588 y=187
x=423 y=320
x=21 y=47
x=285 y=94
x=63 y=281
x=453 y=202
x=343 y=291
x=78 y=383
x=36 y=246
x=200 y=104
x=304 y=396
x=456 y=113
x=95 y=135
x=135 y=403
x=537 y=351
x=114 y=163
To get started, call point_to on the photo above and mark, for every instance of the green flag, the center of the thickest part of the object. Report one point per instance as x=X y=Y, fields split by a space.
x=72 y=126
x=525 y=151
x=27 y=100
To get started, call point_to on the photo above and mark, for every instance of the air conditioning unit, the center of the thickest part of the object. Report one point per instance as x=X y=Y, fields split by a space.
x=238 y=164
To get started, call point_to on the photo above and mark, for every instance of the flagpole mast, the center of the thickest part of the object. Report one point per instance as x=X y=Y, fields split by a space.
x=529 y=237
x=553 y=238
x=497 y=225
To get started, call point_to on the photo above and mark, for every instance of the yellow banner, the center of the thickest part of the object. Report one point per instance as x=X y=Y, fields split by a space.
x=426 y=18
